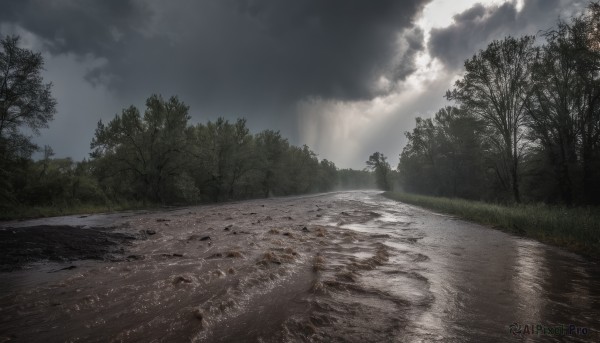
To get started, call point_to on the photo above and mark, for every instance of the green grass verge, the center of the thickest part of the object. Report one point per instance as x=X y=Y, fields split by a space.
x=576 y=229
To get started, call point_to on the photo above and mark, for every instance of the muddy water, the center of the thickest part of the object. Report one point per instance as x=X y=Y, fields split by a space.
x=349 y=266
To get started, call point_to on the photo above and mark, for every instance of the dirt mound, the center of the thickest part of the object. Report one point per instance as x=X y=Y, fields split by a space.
x=19 y=246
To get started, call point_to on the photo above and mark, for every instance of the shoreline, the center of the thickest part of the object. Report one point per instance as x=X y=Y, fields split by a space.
x=352 y=267
x=576 y=230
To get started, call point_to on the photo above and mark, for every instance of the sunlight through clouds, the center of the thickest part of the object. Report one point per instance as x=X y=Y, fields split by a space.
x=339 y=129
x=345 y=78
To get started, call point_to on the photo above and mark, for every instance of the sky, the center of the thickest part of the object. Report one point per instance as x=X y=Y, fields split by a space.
x=345 y=77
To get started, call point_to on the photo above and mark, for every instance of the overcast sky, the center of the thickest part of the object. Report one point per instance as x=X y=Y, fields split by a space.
x=345 y=77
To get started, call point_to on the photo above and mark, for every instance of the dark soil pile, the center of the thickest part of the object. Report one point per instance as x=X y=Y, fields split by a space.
x=19 y=246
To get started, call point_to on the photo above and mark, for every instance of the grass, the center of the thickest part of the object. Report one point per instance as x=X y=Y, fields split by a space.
x=53 y=211
x=576 y=228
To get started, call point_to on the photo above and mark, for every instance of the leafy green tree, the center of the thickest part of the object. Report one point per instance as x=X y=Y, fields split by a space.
x=225 y=153
x=445 y=155
x=25 y=102
x=496 y=86
x=356 y=179
x=557 y=104
x=327 y=176
x=564 y=111
x=589 y=121
x=271 y=149
x=143 y=156
x=461 y=152
x=417 y=164
x=378 y=164
x=302 y=169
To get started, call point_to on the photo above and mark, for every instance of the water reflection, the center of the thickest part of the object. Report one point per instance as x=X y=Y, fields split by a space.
x=365 y=269
x=482 y=280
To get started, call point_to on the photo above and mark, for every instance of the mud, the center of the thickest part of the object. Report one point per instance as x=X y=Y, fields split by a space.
x=340 y=267
x=21 y=246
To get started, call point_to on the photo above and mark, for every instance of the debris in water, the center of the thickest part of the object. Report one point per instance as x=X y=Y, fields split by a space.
x=172 y=255
x=234 y=253
x=318 y=263
x=198 y=314
x=181 y=279
x=269 y=257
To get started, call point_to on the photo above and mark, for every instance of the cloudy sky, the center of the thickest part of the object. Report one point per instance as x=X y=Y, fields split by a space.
x=345 y=77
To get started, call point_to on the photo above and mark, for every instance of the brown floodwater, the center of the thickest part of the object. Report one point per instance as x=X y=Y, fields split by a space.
x=336 y=267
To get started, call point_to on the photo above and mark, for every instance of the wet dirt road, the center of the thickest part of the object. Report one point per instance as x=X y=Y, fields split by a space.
x=338 y=267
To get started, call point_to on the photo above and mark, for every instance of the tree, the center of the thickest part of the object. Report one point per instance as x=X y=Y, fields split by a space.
x=302 y=168
x=224 y=151
x=496 y=87
x=144 y=156
x=444 y=156
x=25 y=102
x=417 y=164
x=327 y=175
x=586 y=31
x=378 y=163
x=271 y=149
x=556 y=105
x=355 y=179
x=563 y=114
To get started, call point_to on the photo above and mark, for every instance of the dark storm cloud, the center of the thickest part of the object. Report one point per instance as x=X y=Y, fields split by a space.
x=476 y=27
x=76 y=26
x=232 y=55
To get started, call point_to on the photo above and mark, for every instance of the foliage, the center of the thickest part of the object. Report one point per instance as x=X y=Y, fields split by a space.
x=356 y=179
x=137 y=157
x=161 y=159
x=527 y=125
x=444 y=156
x=25 y=102
x=378 y=164
x=496 y=84
x=564 y=111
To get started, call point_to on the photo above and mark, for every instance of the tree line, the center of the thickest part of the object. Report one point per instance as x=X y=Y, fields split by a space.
x=524 y=126
x=152 y=157
x=160 y=157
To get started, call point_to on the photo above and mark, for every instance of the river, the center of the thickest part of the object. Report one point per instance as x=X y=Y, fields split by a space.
x=335 y=267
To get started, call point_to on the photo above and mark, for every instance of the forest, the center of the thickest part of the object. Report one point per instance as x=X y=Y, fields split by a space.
x=158 y=157
x=523 y=125
x=154 y=157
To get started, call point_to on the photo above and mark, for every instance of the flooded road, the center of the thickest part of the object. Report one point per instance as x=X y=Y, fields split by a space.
x=338 y=267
